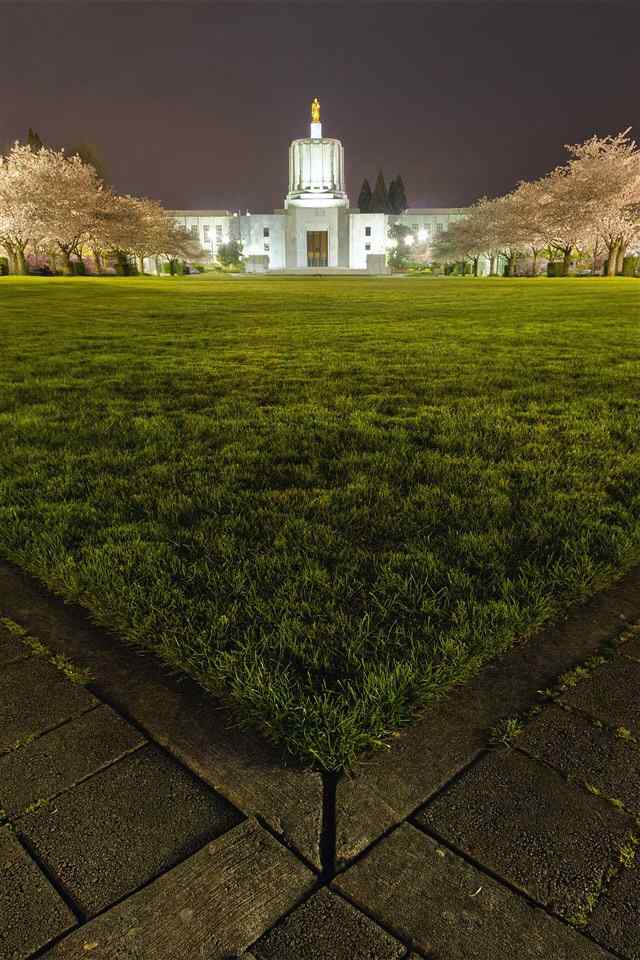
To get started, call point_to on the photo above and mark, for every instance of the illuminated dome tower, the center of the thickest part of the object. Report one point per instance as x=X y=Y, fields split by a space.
x=316 y=169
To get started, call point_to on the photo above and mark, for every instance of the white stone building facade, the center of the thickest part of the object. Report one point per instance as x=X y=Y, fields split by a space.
x=316 y=231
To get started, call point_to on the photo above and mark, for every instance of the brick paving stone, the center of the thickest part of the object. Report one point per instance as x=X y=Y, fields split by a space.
x=394 y=782
x=57 y=760
x=118 y=829
x=610 y=694
x=34 y=696
x=552 y=840
x=325 y=927
x=178 y=714
x=10 y=647
x=31 y=911
x=212 y=905
x=616 y=918
x=448 y=909
x=581 y=750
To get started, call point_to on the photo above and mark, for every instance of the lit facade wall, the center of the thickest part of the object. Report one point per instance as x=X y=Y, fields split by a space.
x=282 y=236
x=434 y=220
x=211 y=228
x=263 y=234
x=367 y=234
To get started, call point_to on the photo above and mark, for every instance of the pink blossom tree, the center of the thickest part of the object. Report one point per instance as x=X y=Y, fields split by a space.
x=20 y=205
x=610 y=166
x=72 y=200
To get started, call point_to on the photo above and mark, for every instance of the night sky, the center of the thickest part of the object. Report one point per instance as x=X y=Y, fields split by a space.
x=195 y=104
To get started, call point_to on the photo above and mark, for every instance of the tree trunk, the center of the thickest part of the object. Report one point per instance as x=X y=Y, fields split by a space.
x=621 y=253
x=12 y=261
x=98 y=261
x=20 y=261
x=612 y=262
x=67 y=266
x=534 y=265
x=492 y=265
x=141 y=265
x=475 y=266
x=566 y=262
x=511 y=264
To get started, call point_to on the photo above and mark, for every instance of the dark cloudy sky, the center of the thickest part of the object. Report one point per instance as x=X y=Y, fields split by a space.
x=195 y=103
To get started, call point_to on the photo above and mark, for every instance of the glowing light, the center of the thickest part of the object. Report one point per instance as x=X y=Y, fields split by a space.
x=409 y=240
x=423 y=235
x=391 y=244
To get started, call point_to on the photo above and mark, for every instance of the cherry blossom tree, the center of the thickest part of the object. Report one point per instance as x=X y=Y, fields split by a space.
x=144 y=229
x=20 y=205
x=504 y=229
x=566 y=214
x=526 y=209
x=73 y=200
x=150 y=227
x=594 y=196
x=466 y=239
x=610 y=166
x=179 y=244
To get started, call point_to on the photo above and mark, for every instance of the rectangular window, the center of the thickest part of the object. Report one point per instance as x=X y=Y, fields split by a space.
x=194 y=229
x=367 y=231
x=414 y=227
x=367 y=246
x=205 y=231
x=218 y=229
x=265 y=232
x=439 y=227
x=267 y=248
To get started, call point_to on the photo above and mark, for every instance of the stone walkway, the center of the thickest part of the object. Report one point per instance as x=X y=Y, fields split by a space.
x=138 y=824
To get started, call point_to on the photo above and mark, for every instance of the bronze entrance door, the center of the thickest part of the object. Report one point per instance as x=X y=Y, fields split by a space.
x=317 y=248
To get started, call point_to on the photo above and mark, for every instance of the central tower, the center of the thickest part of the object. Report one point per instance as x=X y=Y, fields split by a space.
x=316 y=168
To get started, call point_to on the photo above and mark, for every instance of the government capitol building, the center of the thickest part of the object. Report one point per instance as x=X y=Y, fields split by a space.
x=316 y=230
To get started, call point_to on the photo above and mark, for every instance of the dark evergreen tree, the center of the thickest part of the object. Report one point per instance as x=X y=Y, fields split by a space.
x=380 y=198
x=397 y=196
x=89 y=154
x=33 y=140
x=401 y=195
x=393 y=198
x=364 y=200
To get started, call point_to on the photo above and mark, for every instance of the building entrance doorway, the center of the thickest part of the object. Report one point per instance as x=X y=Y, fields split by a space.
x=317 y=248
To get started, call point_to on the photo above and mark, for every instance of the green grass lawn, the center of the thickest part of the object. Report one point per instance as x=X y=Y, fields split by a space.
x=327 y=499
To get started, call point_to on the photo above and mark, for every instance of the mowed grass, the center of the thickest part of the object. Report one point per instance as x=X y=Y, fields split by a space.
x=326 y=499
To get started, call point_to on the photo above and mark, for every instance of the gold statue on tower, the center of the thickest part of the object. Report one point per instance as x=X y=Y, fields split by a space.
x=315 y=110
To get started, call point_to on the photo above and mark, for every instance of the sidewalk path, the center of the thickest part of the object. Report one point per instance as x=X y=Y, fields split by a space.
x=117 y=844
